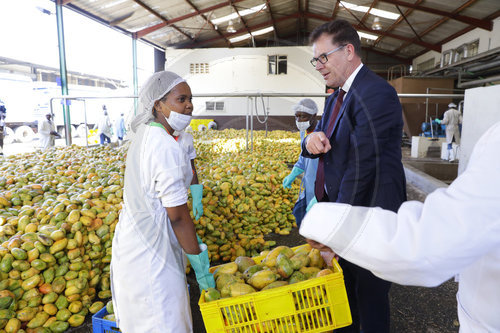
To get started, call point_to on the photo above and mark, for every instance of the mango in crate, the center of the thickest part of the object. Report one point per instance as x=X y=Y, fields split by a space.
x=212 y=294
x=272 y=256
x=262 y=278
x=243 y=263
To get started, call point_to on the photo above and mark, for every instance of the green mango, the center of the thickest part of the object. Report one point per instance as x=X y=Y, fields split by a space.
x=39 y=320
x=39 y=264
x=59 y=326
x=63 y=315
x=284 y=266
x=20 y=265
x=7 y=314
x=6 y=263
x=48 y=275
x=95 y=307
x=76 y=320
x=32 y=282
x=50 y=298
x=61 y=302
x=5 y=302
x=27 y=313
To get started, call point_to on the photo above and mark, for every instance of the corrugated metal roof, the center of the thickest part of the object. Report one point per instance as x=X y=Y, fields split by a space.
x=425 y=25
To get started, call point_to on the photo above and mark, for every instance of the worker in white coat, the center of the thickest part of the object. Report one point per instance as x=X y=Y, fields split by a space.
x=423 y=244
x=47 y=132
x=155 y=229
x=451 y=118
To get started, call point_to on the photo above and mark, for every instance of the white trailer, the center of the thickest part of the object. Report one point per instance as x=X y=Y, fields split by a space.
x=247 y=70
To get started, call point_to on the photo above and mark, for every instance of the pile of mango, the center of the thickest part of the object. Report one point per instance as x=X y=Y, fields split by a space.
x=281 y=266
x=58 y=213
x=243 y=196
x=59 y=210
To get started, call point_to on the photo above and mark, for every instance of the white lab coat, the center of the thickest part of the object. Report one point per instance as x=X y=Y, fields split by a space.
x=148 y=264
x=46 y=139
x=456 y=230
x=104 y=126
x=451 y=119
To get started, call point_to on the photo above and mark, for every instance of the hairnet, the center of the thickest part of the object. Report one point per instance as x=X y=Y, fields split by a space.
x=157 y=86
x=306 y=105
x=452 y=105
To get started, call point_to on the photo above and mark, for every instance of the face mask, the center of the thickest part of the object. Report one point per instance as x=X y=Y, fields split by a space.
x=302 y=125
x=178 y=121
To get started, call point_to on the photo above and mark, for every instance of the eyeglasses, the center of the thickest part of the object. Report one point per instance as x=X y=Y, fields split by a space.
x=323 y=58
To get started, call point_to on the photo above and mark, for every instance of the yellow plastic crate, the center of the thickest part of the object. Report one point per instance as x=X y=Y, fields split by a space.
x=311 y=306
x=197 y=122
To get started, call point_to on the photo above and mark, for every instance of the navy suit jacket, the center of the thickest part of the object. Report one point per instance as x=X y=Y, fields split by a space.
x=364 y=166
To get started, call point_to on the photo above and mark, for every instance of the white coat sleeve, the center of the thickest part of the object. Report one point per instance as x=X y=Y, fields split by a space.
x=424 y=243
x=167 y=173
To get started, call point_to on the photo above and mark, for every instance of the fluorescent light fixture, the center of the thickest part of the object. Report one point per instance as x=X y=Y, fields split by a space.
x=374 y=11
x=367 y=36
x=263 y=31
x=244 y=12
x=112 y=4
x=239 y=38
x=255 y=33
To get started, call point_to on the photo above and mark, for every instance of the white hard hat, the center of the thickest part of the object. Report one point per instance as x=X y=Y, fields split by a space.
x=452 y=105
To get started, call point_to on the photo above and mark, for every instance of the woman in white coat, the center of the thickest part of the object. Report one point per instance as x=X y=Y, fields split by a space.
x=424 y=244
x=155 y=229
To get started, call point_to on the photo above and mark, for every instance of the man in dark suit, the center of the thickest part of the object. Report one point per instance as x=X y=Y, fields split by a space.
x=358 y=143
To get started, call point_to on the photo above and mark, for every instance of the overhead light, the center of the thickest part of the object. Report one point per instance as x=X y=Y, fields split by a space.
x=374 y=11
x=376 y=25
x=242 y=13
x=239 y=38
x=263 y=31
x=255 y=33
x=230 y=27
x=367 y=36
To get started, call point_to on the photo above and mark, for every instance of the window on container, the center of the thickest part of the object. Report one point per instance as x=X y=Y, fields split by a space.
x=473 y=48
x=199 y=68
x=210 y=106
x=219 y=106
x=277 y=64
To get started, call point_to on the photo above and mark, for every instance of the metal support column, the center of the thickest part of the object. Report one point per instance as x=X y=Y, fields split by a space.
x=62 y=70
x=134 y=60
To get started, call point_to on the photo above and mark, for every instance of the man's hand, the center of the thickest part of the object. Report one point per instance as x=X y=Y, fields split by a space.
x=319 y=246
x=317 y=143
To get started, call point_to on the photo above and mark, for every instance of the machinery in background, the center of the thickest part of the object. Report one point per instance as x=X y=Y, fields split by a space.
x=432 y=129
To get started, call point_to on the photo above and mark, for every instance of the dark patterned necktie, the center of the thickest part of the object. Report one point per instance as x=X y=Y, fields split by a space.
x=319 y=186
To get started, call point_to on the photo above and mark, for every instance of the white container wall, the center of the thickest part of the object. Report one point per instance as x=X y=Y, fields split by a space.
x=480 y=113
x=240 y=70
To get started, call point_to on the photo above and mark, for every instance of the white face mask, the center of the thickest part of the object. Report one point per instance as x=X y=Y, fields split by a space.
x=303 y=125
x=178 y=121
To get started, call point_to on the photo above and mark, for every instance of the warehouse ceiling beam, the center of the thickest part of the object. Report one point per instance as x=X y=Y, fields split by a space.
x=436 y=24
x=64 y=2
x=396 y=23
x=469 y=28
x=240 y=31
x=146 y=31
x=268 y=4
x=208 y=21
x=355 y=17
x=484 y=24
x=382 y=33
x=408 y=22
x=155 y=13
x=240 y=17
x=363 y=19
x=335 y=10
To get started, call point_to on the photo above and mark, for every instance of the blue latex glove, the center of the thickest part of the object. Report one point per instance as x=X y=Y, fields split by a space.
x=199 y=240
x=311 y=203
x=437 y=120
x=288 y=180
x=201 y=264
x=197 y=195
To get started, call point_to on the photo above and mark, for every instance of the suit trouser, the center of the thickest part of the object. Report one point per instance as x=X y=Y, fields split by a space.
x=368 y=299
